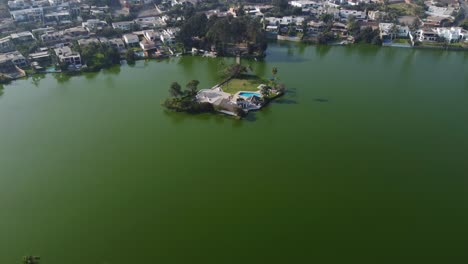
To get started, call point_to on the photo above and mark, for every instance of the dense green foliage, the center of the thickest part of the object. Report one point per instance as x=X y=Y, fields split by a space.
x=185 y=100
x=130 y=56
x=201 y=32
x=98 y=56
x=464 y=24
x=366 y=35
x=326 y=37
x=3 y=80
x=234 y=70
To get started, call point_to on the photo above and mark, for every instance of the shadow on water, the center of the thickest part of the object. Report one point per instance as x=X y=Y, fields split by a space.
x=1 y=90
x=114 y=70
x=389 y=53
x=36 y=78
x=251 y=117
x=406 y=69
x=284 y=101
x=291 y=91
x=284 y=51
x=321 y=100
x=322 y=50
x=62 y=77
x=186 y=62
x=90 y=75
x=260 y=68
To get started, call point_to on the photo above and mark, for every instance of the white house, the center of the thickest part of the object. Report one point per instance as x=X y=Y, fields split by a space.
x=453 y=34
x=275 y=21
x=391 y=31
x=123 y=25
x=344 y=14
x=131 y=40
x=151 y=35
x=67 y=56
x=303 y=3
x=428 y=34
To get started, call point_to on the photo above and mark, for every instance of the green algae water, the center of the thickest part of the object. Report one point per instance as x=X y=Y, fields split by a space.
x=364 y=160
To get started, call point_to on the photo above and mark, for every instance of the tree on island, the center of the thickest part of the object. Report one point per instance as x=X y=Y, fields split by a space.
x=185 y=100
x=235 y=70
x=274 y=71
x=265 y=91
x=192 y=87
x=175 y=90
x=30 y=260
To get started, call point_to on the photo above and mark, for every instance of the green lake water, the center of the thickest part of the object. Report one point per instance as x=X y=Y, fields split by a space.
x=364 y=160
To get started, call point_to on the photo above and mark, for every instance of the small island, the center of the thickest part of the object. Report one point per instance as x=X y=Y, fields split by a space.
x=240 y=92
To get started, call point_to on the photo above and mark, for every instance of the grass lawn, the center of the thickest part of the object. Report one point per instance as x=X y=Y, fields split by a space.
x=405 y=9
x=401 y=41
x=243 y=83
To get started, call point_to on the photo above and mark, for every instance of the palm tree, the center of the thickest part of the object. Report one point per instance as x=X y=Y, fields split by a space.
x=265 y=91
x=274 y=71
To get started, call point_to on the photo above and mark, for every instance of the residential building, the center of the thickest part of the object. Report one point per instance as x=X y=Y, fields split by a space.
x=152 y=35
x=123 y=25
x=445 y=12
x=62 y=17
x=284 y=21
x=52 y=37
x=15 y=57
x=7 y=25
x=75 y=33
x=168 y=37
x=94 y=24
x=434 y=21
x=117 y=43
x=376 y=15
x=18 y=4
x=150 y=22
x=35 y=14
x=67 y=56
x=427 y=34
x=389 y=31
x=85 y=42
x=304 y=4
x=131 y=40
x=23 y=37
x=147 y=45
x=357 y=2
x=42 y=57
x=6 y=45
x=345 y=14
x=453 y=34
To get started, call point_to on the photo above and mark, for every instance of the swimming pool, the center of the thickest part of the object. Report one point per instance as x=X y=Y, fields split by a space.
x=249 y=94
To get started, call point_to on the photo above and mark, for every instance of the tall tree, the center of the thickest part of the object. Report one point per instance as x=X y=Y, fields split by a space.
x=192 y=87
x=274 y=71
x=282 y=5
x=175 y=90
